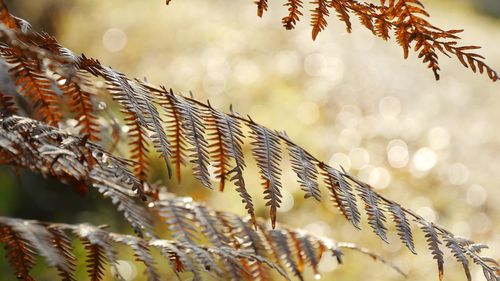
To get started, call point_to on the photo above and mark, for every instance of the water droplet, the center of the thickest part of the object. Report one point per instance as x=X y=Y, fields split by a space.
x=62 y=81
x=102 y=105
x=317 y=276
x=151 y=205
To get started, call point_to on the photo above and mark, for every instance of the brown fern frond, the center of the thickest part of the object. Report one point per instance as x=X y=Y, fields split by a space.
x=342 y=13
x=407 y=20
x=81 y=104
x=138 y=143
x=175 y=130
x=95 y=260
x=33 y=84
x=99 y=249
x=19 y=253
x=210 y=224
x=158 y=137
x=35 y=146
x=7 y=105
x=53 y=152
x=227 y=138
x=262 y=6
x=266 y=150
x=318 y=16
x=294 y=13
x=6 y=18
x=310 y=249
x=62 y=244
x=22 y=248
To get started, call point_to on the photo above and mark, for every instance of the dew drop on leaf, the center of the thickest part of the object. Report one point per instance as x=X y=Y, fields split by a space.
x=102 y=105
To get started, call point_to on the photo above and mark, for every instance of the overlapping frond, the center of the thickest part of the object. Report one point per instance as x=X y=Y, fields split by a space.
x=52 y=152
x=100 y=245
x=187 y=221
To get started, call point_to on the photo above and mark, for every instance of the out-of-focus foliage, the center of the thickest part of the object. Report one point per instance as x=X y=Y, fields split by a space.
x=349 y=98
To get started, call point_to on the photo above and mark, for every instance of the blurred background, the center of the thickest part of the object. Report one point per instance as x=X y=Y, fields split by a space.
x=350 y=99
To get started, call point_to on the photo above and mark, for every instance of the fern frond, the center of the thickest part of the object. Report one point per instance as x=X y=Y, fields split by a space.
x=210 y=224
x=158 y=137
x=227 y=141
x=178 y=218
x=282 y=244
x=402 y=225
x=7 y=105
x=81 y=104
x=433 y=242
x=6 y=18
x=376 y=216
x=175 y=130
x=455 y=247
x=19 y=253
x=294 y=14
x=267 y=153
x=35 y=146
x=52 y=152
x=33 y=84
x=262 y=6
x=405 y=19
x=142 y=253
x=62 y=244
x=342 y=13
x=100 y=246
x=341 y=194
x=194 y=130
x=303 y=166
x=318 y=17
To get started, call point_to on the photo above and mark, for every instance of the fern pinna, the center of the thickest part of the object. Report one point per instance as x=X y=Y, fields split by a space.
x=177 y=127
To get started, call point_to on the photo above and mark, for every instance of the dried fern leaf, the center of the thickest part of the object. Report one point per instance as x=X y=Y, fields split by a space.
x=62 y=244
x=19 y=253
x=262 y=6
x=267 y=153
x=376 y=216
x=433 y=241
x=141 y=252
x=282 y=244
x=456 y=248
x=81 y=104
x=175 y=130
x=7 y=105
x=33 y=84
x=402 y=225
x=303 y=165
x=227 y=141
x=341 y=194
x=294 y=13
x=194 y=130
x=178 y=218
x=318 y=17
